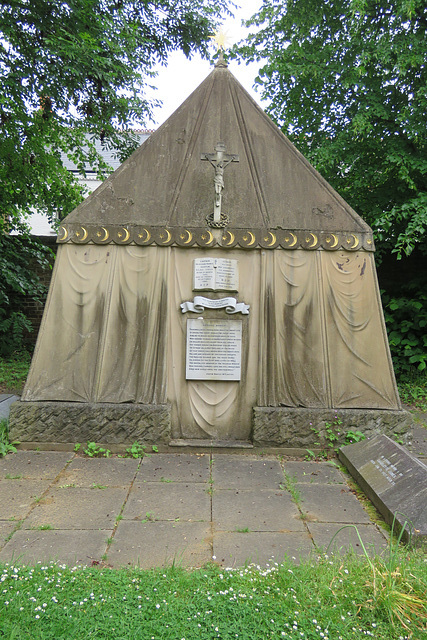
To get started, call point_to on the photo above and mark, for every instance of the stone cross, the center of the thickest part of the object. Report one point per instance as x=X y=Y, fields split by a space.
x=219 y=160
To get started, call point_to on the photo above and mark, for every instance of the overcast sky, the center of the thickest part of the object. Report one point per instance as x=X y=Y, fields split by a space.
x=181 y=77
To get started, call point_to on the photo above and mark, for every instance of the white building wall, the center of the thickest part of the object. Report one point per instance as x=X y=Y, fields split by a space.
x=39 y=223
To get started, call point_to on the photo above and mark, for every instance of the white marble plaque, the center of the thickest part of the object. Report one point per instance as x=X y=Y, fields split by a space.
x=215 y=274
x=214 y=349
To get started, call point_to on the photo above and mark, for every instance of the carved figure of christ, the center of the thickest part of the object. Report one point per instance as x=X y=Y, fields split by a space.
x=219 y=160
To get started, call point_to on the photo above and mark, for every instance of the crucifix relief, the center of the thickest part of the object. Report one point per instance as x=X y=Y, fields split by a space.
x=219 y=160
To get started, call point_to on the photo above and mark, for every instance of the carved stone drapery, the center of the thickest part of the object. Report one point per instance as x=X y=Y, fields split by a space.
x=106 y=324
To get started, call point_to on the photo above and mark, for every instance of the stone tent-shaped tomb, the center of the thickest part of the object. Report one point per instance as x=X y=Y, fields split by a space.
x=213 y=289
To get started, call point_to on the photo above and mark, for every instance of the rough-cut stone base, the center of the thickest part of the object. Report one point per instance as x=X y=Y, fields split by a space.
x=71 y=422
x=288 y=427
x=80 y=422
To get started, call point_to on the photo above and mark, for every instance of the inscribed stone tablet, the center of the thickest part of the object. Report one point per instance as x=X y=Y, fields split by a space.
x=214 y=349
x=393 y=479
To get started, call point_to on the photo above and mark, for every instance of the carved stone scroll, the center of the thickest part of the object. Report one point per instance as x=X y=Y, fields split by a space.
x=229 y=304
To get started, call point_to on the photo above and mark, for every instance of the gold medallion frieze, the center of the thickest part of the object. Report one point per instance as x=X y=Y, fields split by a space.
x=205 y=237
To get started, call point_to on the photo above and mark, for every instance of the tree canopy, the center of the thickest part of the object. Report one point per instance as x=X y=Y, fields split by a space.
x=72 y=71
x=78 y=67
x=347 y=82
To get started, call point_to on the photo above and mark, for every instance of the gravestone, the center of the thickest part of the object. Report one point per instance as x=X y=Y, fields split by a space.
x=394 y=480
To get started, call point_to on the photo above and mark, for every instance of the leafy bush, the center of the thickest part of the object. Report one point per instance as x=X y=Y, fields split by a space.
x=19 y=256
x=13 y=326
x=406 y=322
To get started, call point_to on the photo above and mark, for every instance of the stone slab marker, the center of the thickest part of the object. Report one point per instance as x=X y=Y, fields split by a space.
x=393 y=479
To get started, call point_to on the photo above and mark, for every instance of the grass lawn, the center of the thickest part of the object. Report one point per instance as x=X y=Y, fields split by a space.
x=334 y=599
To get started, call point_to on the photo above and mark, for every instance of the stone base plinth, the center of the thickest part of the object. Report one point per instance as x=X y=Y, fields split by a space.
x=308 y=428
x=86 y=422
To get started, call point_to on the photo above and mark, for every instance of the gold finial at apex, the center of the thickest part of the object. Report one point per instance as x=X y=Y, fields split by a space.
x=221 y=39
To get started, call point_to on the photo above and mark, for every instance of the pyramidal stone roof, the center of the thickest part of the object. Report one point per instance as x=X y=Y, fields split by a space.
x=218 y=172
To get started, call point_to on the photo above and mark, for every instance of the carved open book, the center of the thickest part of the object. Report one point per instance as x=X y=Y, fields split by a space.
x=215 y=274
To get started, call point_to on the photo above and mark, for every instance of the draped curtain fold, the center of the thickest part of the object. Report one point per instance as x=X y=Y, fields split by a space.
x=359 y=359
x=105 y=321
x=292 y=337
x=322 y=335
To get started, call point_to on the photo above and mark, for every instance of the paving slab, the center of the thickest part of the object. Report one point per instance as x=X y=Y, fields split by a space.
x=238 y=549
x=323 y=533
x=333 y=503
x=78 y=508
x=6 y=529
x=258 y=510
x=178 y=467
x=109 y=472
x=168 y=501
x=314 y=472
x=34 y=464
x=157 y=544
x=65 y=547
x=18 y=497
x=246 y=494
x=231 y=471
